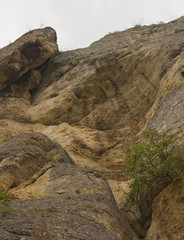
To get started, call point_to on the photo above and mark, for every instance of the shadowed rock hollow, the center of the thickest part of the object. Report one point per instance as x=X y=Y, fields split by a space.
x=95 y=102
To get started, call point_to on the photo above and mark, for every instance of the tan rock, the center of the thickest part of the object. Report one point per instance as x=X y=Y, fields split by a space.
x=114 y=86
x=11 y=128
x=91 y=147
x=31 y=79
x=168 y=213
x=30 y=51
x=111 y=89
x=103 y=90
x=95 y=102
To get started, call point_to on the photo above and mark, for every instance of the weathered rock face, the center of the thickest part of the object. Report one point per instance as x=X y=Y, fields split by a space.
x=23 y=156
x=30 y=51
x=169 y=116
x=168 y=217
x=78 y=200
x=22 y=57
x=166 y=208
x=66 y=216
x=95 y=102
x=105 y=93
x=98 y=87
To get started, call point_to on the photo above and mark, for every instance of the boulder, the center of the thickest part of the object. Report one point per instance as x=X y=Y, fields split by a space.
x=69 y=217
x=22 y=157
x=30 y=51
x=47 y=188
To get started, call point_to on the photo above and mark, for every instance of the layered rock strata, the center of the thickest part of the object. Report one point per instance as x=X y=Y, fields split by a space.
x=71 y=201
x=95 y=102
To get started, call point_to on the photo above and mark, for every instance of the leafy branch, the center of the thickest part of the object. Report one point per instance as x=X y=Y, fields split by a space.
x=152 y=159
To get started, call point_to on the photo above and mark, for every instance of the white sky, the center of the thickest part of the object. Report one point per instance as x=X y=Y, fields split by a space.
x=78 y=23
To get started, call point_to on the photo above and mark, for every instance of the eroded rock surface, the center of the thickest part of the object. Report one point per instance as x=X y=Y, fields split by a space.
x=30 y=51
x=102 y=96
x=23 y=156
x=169 y=115
x=97 y=87
x=78 y=200
x=71 y=217
x=168 y=213
x=95 y=102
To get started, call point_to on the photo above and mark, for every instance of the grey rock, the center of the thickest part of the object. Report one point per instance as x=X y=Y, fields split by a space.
x=71 y=201
x=21 y=157
x=169 y=115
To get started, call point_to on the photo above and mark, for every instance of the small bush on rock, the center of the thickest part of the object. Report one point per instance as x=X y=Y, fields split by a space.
x=152 y=159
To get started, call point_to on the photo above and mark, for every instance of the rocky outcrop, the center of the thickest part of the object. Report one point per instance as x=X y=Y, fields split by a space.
x=22 y=157
x=168 y=217
x=18 y=71
x=94 y=95
x=163 y=204
x=68 y=217
x=169 y=116
x=97 y=87
x=95 y=102
x=30 y=51
x=77 y=199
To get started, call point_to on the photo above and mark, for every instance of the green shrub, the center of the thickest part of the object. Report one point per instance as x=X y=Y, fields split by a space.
x=4 y=201
x=152 y=159
x=161 y=22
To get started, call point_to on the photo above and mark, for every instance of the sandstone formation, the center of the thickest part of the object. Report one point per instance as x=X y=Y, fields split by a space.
x=95 y=102
x=95 y=93
x=167 y=217
x=77 y=199
x=28 y=52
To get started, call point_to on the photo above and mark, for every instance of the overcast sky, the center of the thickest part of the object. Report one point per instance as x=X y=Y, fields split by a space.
x=78 y=23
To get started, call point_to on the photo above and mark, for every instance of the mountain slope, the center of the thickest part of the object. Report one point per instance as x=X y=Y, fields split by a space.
x=95 y=102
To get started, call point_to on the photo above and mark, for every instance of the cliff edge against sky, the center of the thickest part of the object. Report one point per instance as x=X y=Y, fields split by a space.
x=95 y=102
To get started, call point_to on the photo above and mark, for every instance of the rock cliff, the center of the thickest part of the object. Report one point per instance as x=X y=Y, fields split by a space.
x=95 y=102
x=78 y=201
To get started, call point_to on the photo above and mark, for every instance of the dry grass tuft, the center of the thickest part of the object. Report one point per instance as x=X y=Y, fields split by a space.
x=43 y=229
